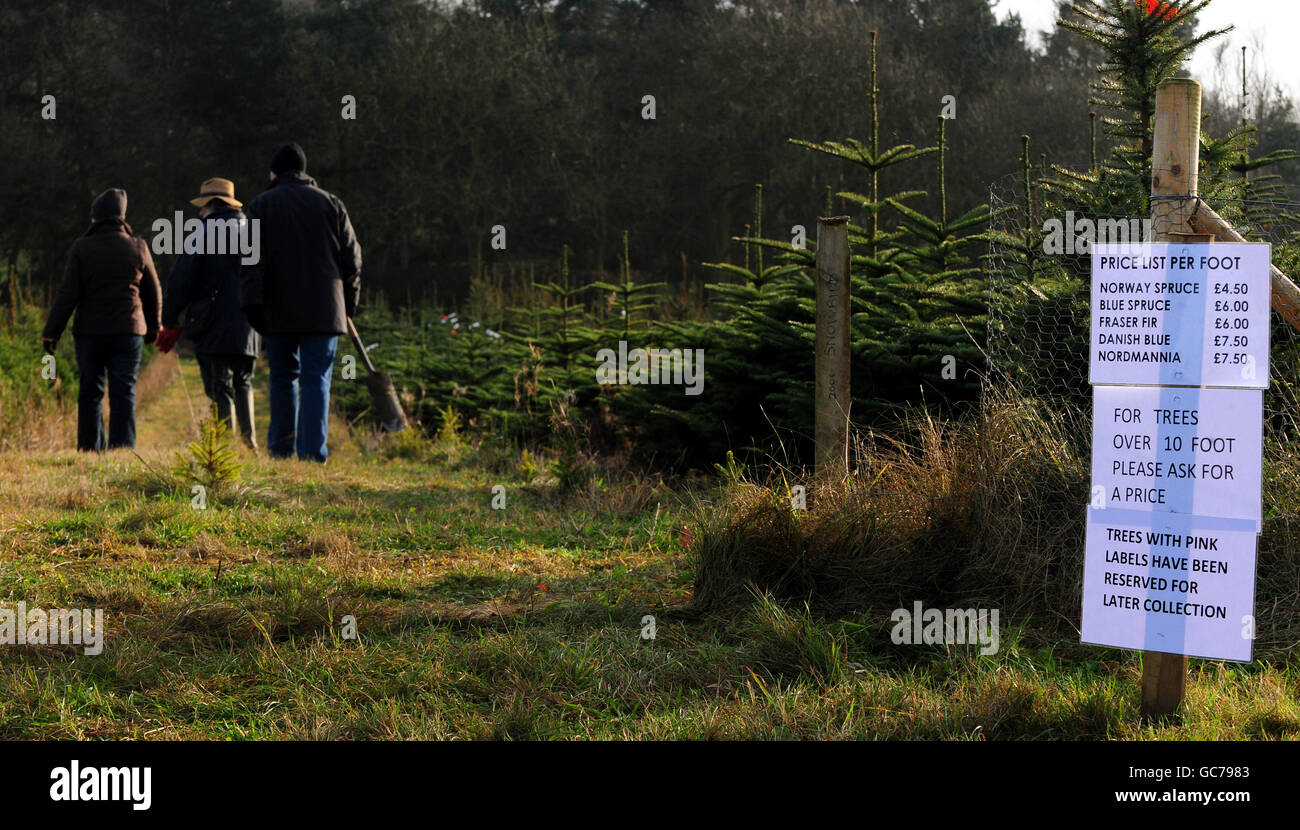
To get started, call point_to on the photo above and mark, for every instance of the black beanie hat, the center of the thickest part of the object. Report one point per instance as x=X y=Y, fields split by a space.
x=111 y=204
x=289 y=157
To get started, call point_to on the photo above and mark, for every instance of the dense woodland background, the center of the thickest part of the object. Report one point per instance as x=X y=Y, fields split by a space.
x=522 y=114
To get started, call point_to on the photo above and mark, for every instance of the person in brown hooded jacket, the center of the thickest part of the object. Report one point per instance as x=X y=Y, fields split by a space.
x=111 y=283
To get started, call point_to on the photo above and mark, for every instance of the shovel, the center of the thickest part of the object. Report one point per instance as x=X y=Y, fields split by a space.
x=381 y=389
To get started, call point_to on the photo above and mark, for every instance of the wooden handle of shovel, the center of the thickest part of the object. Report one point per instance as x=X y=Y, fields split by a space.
x=356 y=340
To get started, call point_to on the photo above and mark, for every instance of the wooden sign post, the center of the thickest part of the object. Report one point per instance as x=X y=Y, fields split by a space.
x=1175 y=159
x=1181 y=357
x=831 y=410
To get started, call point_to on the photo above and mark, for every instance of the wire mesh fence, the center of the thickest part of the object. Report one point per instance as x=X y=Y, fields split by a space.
x=1038 y=309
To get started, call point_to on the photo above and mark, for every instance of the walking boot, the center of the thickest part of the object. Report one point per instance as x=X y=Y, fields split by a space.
x=244 y=413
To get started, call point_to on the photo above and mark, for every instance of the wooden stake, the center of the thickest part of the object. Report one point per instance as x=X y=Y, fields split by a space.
x=832 y=364
x=1164 y=682
x=1175 y=159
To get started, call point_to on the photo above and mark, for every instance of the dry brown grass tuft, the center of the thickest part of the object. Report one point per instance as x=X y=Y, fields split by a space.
x=325 y=544
x=208 y=547
x=986 y=510
x=38 y=422
x=80 y=494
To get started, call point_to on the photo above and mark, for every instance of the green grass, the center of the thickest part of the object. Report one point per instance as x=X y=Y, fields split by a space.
x=519 y=623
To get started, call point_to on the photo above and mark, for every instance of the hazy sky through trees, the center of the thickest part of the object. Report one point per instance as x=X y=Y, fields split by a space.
x=1272 y=24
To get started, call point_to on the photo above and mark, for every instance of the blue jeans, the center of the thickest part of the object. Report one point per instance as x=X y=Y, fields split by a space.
x=301 y=367
x=115 y=357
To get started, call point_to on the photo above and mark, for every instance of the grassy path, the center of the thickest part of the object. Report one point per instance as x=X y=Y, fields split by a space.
x=474 y=622
x=171 y=403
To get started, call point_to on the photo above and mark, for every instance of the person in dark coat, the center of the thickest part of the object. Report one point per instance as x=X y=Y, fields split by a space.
x=111 y=284
x=299 y=295
x=206 y=287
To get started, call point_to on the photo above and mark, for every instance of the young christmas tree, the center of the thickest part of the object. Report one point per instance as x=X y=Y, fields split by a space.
x=917 y=298
x=1143 y=44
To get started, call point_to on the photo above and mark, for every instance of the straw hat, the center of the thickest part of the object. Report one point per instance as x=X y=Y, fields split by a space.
x=223 y=189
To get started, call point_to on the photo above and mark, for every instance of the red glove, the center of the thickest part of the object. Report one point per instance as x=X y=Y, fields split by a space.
x=167 y=339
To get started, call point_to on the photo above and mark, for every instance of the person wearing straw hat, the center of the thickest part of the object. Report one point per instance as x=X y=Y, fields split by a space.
x=111 y=284
x=205 y=286
x=300 y=295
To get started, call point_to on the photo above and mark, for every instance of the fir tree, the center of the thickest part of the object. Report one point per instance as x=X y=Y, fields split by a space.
x=916 y=297
x=211 y=462
x=631 y=300
x=1143 y=46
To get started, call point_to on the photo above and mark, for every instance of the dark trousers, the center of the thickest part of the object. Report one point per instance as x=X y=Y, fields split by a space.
x=115 y=358
x=301 y=369
x=228 y=383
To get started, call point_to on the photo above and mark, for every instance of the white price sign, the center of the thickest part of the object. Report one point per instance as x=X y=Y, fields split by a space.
x=1178 y=450
x=1180 y=315
x=1175 y=584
